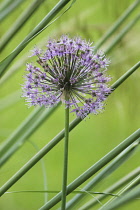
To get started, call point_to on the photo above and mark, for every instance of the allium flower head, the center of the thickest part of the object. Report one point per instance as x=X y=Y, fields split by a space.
x=69 y=71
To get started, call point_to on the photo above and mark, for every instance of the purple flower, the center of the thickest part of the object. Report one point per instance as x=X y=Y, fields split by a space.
x=68 y=67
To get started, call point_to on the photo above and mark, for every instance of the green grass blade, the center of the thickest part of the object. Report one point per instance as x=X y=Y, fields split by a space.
x=122 y=33
x=29 y=125
x=56 y=191
x=116 y=25
x=117 y=162
x=23 y=18
x=35 y=32
x=8 y=8
x=126 y=196
x=112 y=188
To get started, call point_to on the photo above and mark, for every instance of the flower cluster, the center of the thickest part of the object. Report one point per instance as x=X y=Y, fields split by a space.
x=69 y=71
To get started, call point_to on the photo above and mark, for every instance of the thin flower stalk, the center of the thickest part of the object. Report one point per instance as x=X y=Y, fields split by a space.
x=65 y=169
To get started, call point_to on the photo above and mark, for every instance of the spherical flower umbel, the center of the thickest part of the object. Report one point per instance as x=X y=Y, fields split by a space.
x=69 y=71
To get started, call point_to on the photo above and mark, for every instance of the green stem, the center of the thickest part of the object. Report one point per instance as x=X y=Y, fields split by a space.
x=117 y=24
x=57 y=191
x=65 y=170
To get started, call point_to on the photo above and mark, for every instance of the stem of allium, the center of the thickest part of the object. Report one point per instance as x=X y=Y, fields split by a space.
x=65 y=169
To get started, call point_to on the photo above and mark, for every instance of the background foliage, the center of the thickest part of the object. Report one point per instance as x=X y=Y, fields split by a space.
x=92 y=138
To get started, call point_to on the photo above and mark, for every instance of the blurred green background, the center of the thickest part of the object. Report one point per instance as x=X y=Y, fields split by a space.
x=93 y=137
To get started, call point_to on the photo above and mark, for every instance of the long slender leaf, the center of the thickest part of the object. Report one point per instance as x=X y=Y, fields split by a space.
x=35 y=32
x=23 y=18
x=56 y=191
x=117 y=162
x=117 y=185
